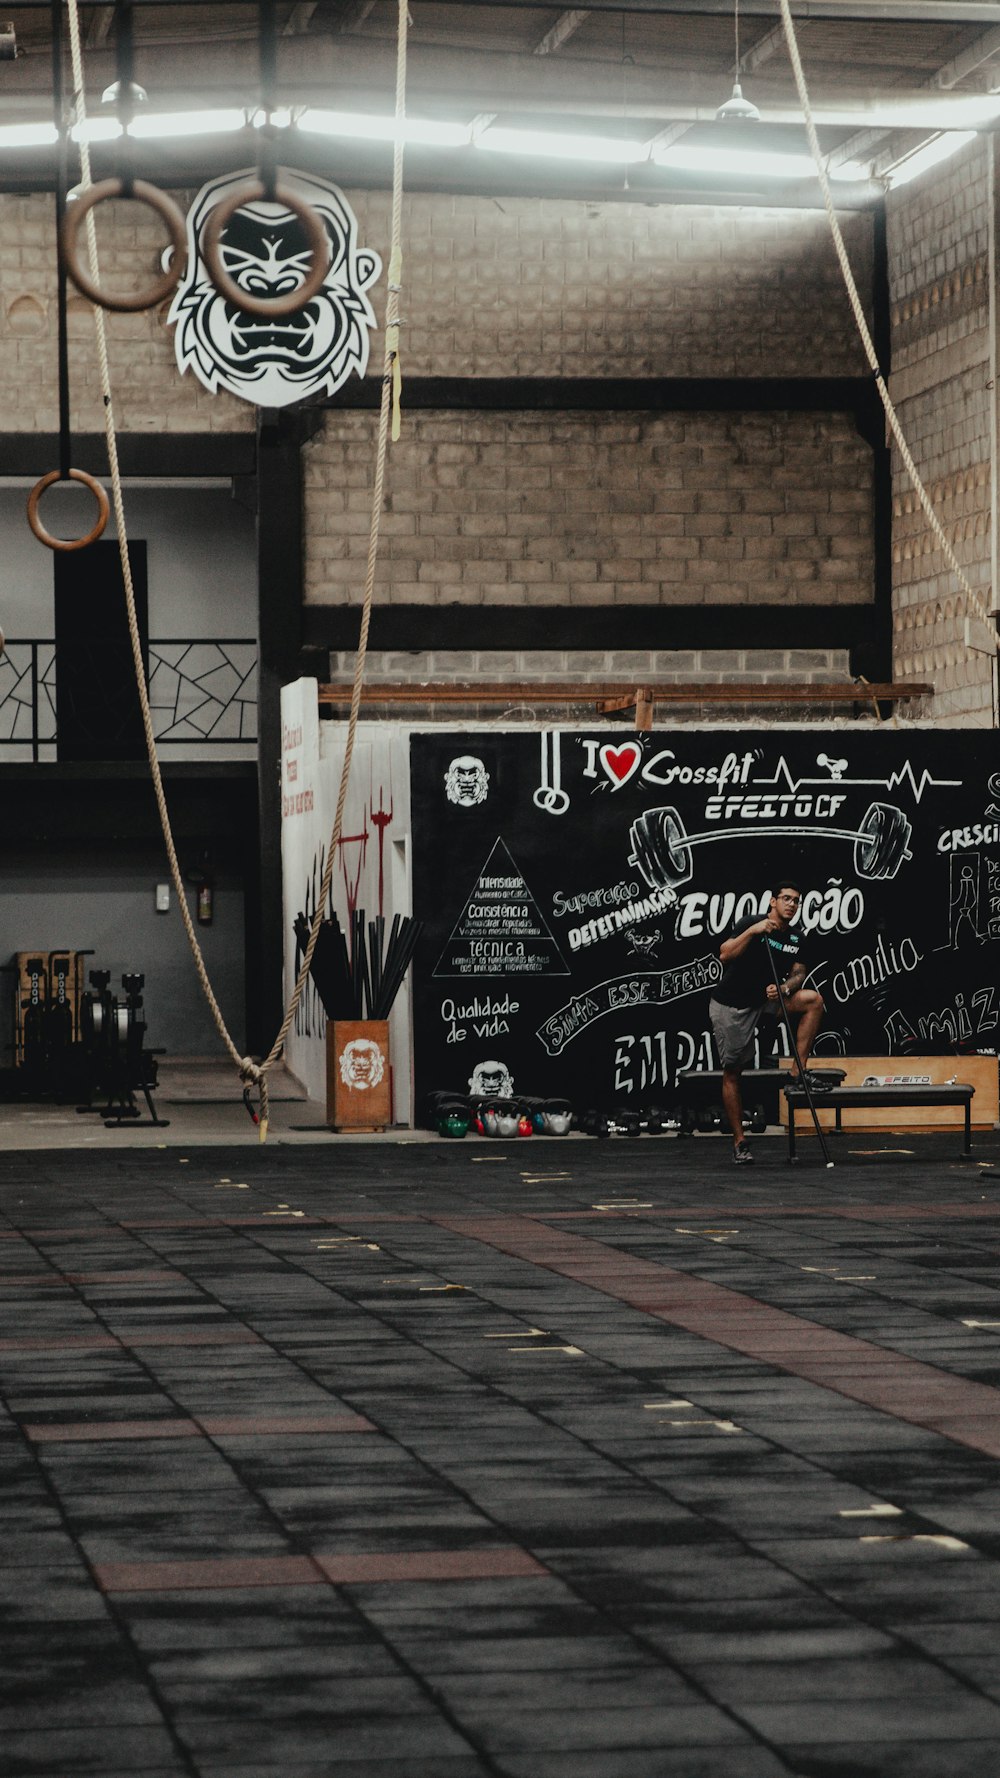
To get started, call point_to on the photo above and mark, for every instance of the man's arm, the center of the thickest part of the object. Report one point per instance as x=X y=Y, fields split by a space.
x=791 y=984
x=741 y=941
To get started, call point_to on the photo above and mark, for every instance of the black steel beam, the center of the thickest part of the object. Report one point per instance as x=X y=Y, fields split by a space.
x=280 y=578
x=168 y=454
x=622 y=394
x=419 y=628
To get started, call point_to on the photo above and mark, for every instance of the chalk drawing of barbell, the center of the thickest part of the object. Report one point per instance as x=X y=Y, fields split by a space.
x=661 y=849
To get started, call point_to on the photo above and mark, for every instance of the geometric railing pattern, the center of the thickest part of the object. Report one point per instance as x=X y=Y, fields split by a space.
x=202 y=691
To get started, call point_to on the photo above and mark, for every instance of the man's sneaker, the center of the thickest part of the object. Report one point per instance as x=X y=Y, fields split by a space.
x=742 y=1156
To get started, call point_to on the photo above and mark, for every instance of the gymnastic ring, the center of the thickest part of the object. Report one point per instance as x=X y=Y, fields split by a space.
x=265 y=308
x=144 y=194
x=73 y=475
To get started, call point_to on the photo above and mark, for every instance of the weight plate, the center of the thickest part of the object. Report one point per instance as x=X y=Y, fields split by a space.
x=660 y=848
x=883 y=841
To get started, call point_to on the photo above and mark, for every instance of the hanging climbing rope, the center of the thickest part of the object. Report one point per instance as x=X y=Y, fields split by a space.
x=975 y=599
x=254 y=1074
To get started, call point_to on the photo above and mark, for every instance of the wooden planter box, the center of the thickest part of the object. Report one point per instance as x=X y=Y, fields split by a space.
x=358 y=1093
x=979 y=1071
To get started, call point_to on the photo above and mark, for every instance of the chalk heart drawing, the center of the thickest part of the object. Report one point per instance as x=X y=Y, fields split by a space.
x=620 y=762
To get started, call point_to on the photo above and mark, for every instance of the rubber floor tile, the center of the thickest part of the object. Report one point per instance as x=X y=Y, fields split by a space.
x=92 y=1432
x=207 y=1574
x=330 y=1660
x=273 y=1702
x=558 y=1731
x=745 y=1760
x=958 y=1714
x=444 y=1765
x=333 y=1736
x=429 y=1565
x=112 y=1706
x=496 y=1655
x=281 y=1617
x=619 y=1687
x=110 y=1752
x=951 y=1757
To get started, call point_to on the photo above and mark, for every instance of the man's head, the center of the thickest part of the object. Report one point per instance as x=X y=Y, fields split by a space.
x=785 y=898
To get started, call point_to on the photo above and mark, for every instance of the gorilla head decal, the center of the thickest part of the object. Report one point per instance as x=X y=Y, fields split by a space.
x=264 y=249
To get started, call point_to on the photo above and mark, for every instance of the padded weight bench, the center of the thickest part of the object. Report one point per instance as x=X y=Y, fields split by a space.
x=839 y=1099
x=696 y=1085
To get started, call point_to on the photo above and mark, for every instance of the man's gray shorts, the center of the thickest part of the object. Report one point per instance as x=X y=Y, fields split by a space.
x=733 y=1028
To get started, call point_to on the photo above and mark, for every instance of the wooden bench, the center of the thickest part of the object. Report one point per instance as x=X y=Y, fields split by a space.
x=837 y=1099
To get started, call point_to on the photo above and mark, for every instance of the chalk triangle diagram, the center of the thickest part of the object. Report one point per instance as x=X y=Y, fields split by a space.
x=501 y=929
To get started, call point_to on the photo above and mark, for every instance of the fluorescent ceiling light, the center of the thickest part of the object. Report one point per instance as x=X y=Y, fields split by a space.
x=562 y=147
x=930 y=154
x=28 y=135
x=187 y=123
x=756 y=163
x=359 y=124
x=96 y=129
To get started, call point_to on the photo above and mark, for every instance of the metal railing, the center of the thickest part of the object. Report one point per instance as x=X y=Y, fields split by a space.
x=202 y=692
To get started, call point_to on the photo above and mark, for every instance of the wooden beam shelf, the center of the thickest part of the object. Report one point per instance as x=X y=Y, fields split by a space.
x=611 y=699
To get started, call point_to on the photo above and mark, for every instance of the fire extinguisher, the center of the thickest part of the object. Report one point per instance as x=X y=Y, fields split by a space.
x=203 y=880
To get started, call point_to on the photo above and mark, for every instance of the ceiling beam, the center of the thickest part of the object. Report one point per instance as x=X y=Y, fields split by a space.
x=900 y=12
x=321 y=69
x=299 y=18
x=561 y=32
x=859 y=147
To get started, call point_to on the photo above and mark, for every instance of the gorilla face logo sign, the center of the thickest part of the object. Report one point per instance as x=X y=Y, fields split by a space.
x=264 y=250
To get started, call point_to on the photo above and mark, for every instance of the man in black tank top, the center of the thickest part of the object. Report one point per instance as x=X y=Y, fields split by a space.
x=747 y=993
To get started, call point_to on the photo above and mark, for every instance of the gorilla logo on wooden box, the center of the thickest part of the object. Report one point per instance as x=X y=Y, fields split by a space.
x=264 y=250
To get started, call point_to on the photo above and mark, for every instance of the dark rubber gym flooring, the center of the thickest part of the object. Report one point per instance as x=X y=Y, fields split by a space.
x=545 y=1459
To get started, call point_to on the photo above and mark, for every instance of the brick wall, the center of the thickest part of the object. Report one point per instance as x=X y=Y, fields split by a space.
x=595 y=509
x=939 y=255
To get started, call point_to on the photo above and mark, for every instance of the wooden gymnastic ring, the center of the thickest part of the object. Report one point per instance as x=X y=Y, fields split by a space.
x=144 y=194
x=265 y=308
x=73 y=475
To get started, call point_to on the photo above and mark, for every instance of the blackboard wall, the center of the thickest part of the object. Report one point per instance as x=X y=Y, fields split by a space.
x=576 y=889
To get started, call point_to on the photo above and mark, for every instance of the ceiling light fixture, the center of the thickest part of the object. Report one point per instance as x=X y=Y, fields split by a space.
x=737 y=109
x=136 y=94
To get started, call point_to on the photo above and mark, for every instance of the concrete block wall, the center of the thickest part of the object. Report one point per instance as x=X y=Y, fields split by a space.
x=942 y=317
x=662 y=666
x=149 y=393
x=525 y=287
x=542 y=287
x=594 y=509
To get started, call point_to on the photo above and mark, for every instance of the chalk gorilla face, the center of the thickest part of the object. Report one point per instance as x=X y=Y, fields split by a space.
x=362 y=1064
x=467 y=781
x=265 y=252
x=491 y=1080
